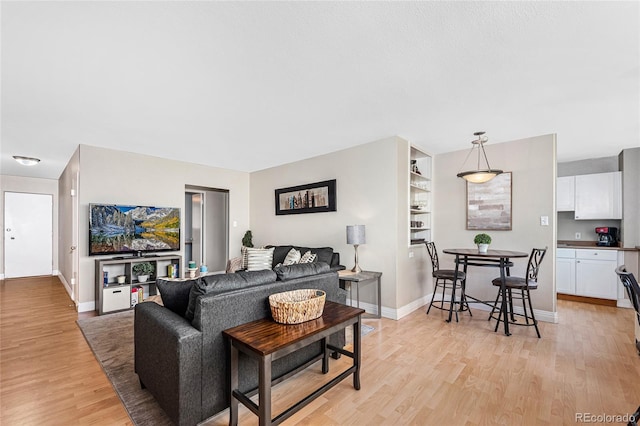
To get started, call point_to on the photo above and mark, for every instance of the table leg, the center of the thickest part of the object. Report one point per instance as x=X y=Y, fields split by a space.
x=264 y=391
x=503 y=291
x=325 y=356
x=356 y=353
x=233 y=409
x=379 y=298
x=453 y=290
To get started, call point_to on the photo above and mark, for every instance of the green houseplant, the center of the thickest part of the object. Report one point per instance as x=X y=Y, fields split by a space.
x=483 y=241
x=143 y=270
x=246 y=240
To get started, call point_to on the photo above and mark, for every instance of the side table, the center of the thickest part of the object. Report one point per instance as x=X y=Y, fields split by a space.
x=266 y=340
x=349 y=278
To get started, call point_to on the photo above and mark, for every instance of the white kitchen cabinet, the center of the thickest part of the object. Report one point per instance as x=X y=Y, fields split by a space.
x=565 y=194
x=566 y=271
x=595 y=273
x=598 y=196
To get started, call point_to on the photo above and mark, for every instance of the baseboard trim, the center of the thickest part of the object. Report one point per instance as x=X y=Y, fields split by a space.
x=1 y=276
x=585 y=299
x=65 y=284
x=86 y=306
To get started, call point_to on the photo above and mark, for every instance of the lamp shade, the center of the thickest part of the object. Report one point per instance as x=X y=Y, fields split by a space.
x=355 y=234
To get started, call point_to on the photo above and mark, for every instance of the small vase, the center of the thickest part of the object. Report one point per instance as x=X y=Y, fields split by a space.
x=482 y=248
x=143 y=278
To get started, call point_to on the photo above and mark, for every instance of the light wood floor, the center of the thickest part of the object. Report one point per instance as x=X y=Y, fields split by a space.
x=419 y=370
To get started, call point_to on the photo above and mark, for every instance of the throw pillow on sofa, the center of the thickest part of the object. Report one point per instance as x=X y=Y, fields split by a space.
x=299 y=270
x=293 y=257
x=259 y=259
x=175 y=293
x=308 y=257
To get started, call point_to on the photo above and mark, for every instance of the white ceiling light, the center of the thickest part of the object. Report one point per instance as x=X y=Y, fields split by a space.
x=26 y=161
x=479 y=175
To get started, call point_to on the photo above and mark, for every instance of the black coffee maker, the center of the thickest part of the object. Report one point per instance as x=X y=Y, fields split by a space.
x=607 y=236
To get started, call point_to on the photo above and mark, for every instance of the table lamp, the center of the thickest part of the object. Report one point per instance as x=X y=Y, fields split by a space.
x=355 y=236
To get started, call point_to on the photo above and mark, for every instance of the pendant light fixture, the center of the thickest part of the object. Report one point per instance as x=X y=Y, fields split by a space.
x=479 y=175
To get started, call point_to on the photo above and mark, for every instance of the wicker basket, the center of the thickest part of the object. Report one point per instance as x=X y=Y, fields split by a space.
x=294 y=307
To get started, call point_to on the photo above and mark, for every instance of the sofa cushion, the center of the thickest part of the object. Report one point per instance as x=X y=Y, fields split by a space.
x=220 y=283
x=259 y=259
x=298 y=270
x=175 y=293
x=280 y=253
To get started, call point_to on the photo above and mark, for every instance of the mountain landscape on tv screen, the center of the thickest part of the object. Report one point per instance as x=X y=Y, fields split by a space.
x=120 y=229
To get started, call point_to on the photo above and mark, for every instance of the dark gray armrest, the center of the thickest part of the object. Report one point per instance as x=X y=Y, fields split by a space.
x=168 y=361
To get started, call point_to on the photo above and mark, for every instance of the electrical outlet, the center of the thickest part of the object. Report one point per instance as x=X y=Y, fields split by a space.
x=410 y=254
x=578 y=235
x=544 y=220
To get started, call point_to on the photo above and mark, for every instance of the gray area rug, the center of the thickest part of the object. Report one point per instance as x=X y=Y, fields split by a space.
x=111 y=340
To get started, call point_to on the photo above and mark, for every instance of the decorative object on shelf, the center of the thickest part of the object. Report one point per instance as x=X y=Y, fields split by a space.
x=483 y=241
x=192 y=269
x=247 y=239
x=479 y=175
x=356 y=236
x=143 y=270
x=489 y=204
x=296 y=306
x=203 y=269
x=316 y=197
x=121 y=279
x=414 y=167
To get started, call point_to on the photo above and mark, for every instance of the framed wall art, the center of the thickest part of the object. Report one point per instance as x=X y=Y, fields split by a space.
x=311 y=198
x=489 y=204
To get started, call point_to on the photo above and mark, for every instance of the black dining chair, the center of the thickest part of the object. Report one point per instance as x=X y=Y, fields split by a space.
x=633 y=291
x=524 y=285
x=447 y=280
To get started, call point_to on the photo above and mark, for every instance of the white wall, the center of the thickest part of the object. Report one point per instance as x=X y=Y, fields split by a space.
x=532 y=162
x=367 y=194
x=69 y=181
x=33 y=186
x=108 y=176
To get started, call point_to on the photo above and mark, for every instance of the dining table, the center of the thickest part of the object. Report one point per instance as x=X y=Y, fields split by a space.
x=501 y=259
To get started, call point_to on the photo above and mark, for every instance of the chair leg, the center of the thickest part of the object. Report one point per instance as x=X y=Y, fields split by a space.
x=433 y=296
x=510 y=297
x=494 y=306
x=533 y=317
x=444 y=287
x=524 y=306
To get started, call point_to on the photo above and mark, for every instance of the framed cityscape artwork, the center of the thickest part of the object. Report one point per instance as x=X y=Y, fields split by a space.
x=311 y=198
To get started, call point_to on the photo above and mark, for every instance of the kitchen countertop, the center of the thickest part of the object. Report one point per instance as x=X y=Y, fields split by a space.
x=572 y=244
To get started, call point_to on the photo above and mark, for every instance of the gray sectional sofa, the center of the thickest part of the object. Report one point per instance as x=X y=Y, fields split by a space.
x=181 y=357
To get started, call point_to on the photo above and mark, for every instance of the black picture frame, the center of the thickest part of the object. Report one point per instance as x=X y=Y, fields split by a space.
x=318 y=197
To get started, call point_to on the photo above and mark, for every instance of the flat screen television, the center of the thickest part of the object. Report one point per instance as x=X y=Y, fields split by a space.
x=136 y=230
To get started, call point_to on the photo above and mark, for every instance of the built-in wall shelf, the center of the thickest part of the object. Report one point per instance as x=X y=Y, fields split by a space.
x=419 y=197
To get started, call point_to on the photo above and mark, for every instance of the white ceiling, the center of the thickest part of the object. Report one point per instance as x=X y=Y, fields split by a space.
x=251 y=85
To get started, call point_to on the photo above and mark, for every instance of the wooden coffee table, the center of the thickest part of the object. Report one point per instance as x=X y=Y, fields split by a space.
x=267 y=340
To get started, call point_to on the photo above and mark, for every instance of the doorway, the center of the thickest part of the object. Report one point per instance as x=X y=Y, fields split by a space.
x=207 y=227
x=28 y=239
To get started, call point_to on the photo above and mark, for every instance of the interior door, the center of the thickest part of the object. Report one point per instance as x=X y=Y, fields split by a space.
x=28 y=240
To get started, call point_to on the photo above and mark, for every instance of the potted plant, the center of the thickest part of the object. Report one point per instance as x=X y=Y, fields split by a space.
x=247 y=239
x=483 y=241
x=143 y=270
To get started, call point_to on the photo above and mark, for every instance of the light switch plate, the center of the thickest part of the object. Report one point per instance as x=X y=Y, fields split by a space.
x=544 y=220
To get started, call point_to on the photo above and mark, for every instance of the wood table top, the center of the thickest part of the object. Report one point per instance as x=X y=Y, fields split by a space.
x=265 y=336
